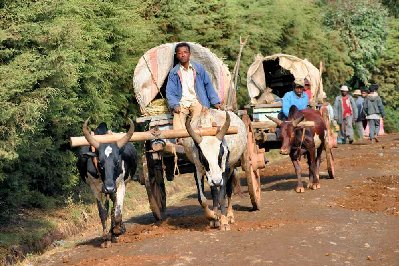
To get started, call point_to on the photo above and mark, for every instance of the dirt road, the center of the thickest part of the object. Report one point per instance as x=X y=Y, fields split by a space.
x=351 y=220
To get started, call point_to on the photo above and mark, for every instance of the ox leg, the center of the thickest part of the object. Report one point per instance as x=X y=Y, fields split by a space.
x=103 y=213
x=311 y=177
x=224 y=222
x=312 y=168
x=215 y=198
x=299 y=188
x=316 y=179
x=117 y=227
x=210 y=215
x=229 y=192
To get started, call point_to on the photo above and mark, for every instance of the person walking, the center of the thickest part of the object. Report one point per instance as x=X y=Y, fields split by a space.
x=345 y=112
x=189 y=90
x=374 y=111
x=359 y=121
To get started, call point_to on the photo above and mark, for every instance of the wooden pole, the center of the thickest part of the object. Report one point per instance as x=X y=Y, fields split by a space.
x=152 y=134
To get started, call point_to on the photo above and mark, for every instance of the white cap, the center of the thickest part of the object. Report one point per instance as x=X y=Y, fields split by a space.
x=344 y=88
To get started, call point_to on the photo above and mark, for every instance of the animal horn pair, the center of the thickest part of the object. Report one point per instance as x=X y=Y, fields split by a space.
x=275 y=120
x=197 y=138
x=120 y=143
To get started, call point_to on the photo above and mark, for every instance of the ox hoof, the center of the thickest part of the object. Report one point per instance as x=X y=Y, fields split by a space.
x=214 y=224
x=316 y=186
x=300 y=190
x=106 y=244
x=231 y=219
x=225 y=227
x=114 y=239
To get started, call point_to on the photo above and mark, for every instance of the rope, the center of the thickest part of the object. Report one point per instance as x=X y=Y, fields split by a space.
x=152 y=77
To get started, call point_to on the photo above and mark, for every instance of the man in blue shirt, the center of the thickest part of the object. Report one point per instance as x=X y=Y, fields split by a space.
x=295 y=97
x=189 y=89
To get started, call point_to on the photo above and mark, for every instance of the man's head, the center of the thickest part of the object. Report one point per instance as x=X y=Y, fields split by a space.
x=365 y=92
x=344 y=90
x=357 y=93
x=182 y=52
x=373 y=87
x=298 y=87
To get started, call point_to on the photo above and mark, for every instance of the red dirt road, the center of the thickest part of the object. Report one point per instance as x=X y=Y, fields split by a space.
x=351 y=220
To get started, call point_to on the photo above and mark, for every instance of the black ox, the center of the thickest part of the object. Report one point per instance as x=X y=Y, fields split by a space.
x=105 y=167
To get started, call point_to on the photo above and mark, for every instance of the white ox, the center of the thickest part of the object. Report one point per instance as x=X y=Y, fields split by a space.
x=215 y=157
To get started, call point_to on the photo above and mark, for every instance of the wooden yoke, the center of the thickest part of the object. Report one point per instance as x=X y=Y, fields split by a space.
x=152 y=134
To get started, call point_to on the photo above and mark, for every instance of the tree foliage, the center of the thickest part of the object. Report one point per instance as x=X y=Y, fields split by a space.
x=64 y=61
x=362 y=26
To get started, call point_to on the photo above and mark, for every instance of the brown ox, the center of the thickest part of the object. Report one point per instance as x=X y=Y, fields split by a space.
x=298 y=140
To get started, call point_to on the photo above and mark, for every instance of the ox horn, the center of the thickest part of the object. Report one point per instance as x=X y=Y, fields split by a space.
x=225 y=127
x=295 y=122
x=275 y=120
x=122 y=141
x=92 y=141
x=197 y=138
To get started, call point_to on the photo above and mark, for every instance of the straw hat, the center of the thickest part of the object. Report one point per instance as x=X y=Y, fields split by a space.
x=344 y=88
x=357 y=92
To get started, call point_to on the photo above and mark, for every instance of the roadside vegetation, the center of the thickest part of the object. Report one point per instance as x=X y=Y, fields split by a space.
x=64 y=61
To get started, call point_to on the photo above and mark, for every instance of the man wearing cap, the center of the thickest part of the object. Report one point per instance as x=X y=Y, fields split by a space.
x=295 y=97
x=345 y=112
x=359 y=121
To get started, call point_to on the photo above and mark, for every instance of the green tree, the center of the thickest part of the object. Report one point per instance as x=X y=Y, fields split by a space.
x=387 y=76
x=61 y=62
x=362 y=26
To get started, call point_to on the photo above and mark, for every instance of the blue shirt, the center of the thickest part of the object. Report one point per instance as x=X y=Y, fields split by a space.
x=290 y=99
x=204 y=90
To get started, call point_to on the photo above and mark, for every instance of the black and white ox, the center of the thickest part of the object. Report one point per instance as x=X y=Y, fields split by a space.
x=215 y=157
x=105 y=169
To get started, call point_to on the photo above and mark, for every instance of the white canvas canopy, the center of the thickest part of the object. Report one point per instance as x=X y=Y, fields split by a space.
x=299 y=68
x=153 y=67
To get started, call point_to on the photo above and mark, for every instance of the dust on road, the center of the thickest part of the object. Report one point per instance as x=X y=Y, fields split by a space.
x=351 y=220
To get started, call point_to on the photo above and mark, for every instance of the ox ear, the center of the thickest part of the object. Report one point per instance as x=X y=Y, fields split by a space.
x=275 y=120
x=295 y=122
x=89 y=154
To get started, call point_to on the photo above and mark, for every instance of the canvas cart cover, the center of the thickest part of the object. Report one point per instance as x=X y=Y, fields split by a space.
x=153 y=67
x=299 y=68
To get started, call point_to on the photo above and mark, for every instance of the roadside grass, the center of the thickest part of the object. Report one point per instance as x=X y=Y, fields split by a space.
x=30 y=232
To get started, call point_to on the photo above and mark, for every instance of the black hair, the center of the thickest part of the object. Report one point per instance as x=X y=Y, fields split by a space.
x=182 y=44
x=373 y=87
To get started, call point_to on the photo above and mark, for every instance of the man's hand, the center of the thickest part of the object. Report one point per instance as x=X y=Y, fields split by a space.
x=218 y=106
x=176 y=110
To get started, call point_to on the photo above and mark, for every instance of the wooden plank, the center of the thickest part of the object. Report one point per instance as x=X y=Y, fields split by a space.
x=154 y=117
x=263 y=124
x=152 y=134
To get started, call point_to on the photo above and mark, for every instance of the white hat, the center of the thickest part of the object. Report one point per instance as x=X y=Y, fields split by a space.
x=357 y=92
x=344 y=88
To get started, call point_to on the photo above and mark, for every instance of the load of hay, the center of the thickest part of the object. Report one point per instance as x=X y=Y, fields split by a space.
x=270 y=77
x=151 y=73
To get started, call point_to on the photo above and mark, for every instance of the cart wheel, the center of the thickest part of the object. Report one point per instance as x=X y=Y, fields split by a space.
x=251 y=161
x=155 y=186
x=328 y=144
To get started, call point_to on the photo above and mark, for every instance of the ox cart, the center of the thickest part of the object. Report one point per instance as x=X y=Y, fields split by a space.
x=268 y=79
x=163 y=158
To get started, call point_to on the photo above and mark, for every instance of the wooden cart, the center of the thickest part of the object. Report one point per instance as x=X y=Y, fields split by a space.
x=273 y=76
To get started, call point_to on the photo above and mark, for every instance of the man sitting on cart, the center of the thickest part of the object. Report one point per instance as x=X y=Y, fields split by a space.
x=189 y=90
x=295 y=97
